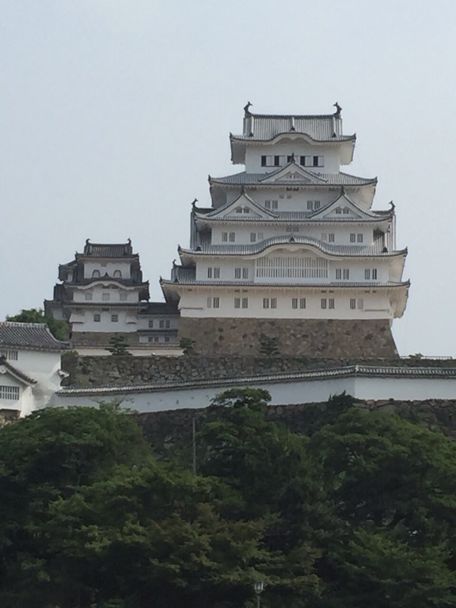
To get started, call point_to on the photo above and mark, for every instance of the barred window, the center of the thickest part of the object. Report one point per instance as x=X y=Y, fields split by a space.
x=10 y=393
x=291 y=267
x=11 y=355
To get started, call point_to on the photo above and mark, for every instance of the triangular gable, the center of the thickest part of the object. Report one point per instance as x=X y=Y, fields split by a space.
x=348 y=209
x=243 y=202
x=293 y=173
x=8 y=370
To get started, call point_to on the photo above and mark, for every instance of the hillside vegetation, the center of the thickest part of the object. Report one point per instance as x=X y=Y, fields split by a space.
x=362 y=512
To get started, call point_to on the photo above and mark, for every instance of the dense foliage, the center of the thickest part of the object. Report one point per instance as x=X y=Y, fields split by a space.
x=362 y=512
x=59 y=329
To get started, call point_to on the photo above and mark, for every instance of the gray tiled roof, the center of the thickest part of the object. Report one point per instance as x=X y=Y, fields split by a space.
x=321 y=179
x=319 y=127
x=28 y=336
x=108 y=250
x=345 y=250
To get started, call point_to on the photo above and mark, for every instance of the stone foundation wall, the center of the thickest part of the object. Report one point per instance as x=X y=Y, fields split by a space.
x=101 y=339
x=322 y=338
x=8 y=416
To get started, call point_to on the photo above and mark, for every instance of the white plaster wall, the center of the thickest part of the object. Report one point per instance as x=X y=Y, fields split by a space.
x=243 y=230
x=43 y=367
x=83 y=319
x=227 y=268
x=287 y=147
x=282 y=393
x=193 y=304
x=107 y=267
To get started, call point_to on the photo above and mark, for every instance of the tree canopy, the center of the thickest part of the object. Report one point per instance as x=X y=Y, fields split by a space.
x=361 y=511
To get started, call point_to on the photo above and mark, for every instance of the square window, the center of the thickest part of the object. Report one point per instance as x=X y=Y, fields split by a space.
x=294 y=303
x=253 y=237
x=209 y=273
x=276 y=161
x=238 y=209
x=317 y=204
x=352 y=303
x=275 y=204
x=88 y=296
x=302 y=161
x=367 y=274
x=346 y=274
x=237 y=273
x=273 y=302
x=360 y=238
x=309 y=205
x=245 y=302
x=166 y=338
x=161 y=323
x=374 y=274
x=232 y=237
x=224 y=237
x=151 y=324
x=331 y=303
x=114 y=318
x=302 y=302
x=338 y=274
x=245 y=273
x=267 y=204
x=237 y=302
x=260 y=236
x=346 y=210
x=215 y=302
x=216 y=273
x=324 y=303
x=352 y=238
x=263 y=161
x=331 y=237
x=97 y=317
x=265 y=302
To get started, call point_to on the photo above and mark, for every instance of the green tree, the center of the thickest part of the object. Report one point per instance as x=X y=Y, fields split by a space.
x=118 y=346
x=59 y=329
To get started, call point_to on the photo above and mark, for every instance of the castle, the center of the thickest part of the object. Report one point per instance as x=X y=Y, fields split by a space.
x=290 y=249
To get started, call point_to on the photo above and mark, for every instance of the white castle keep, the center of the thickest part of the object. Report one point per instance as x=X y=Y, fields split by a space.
x=290 y=248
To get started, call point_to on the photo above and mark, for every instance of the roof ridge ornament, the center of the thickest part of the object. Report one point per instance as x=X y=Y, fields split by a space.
x=194 y=201
x=247 y=112
x=338 y=109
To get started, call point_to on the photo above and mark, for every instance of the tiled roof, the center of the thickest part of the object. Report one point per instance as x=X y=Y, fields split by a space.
x=28 y=336
x=345 y=250
x=158 y=308
x=275 y=378
x=16 y=372
x=108 y=250
x=267 y=126
x=321 y=179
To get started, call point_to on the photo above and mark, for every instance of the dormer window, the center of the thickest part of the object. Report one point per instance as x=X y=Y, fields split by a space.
x=238 y=209
x=95 y=274
x=346 y=210
x=117 y=274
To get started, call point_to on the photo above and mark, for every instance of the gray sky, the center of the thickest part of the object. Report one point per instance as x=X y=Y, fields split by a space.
x=113 y=112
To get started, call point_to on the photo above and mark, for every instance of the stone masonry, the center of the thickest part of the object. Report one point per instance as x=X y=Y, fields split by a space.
x=314 y=338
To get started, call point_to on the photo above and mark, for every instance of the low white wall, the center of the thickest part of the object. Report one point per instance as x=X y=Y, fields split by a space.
x=282 y=393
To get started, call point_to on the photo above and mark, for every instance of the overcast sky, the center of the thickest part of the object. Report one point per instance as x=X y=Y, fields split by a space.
x=113 y=112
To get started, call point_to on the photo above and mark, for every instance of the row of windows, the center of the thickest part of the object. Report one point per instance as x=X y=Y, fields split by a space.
x=116 y=274
x=230 y=237
x=10 y=393
x=280 y=160
x=291 y=267
x=10 y=355
x=162 y=323
x=106 y=297
x=296 y=303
